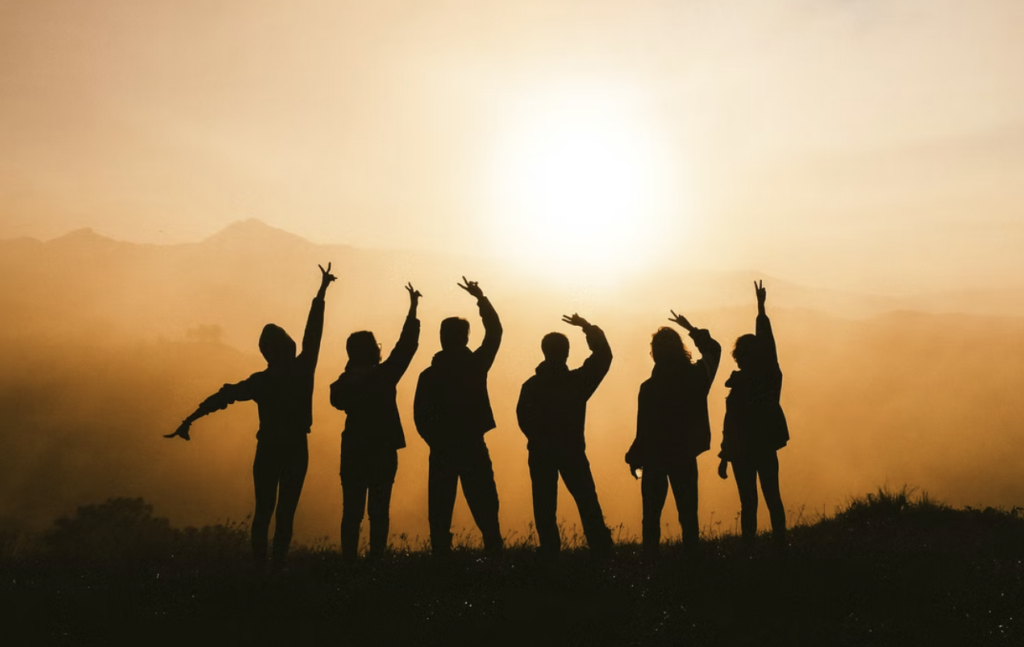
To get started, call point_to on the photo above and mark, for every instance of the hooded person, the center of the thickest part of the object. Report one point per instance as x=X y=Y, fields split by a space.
x=552 y=412
x=673 y=428
x=755 y=426
x=452 y=411
x=373 y=433
x=283 y=393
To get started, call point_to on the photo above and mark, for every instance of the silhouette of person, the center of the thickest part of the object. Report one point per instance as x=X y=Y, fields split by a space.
x=755 y=427
x=552 y=414
x=453 y=412
x=284 y=394
x=373 y=430
x=672 y=429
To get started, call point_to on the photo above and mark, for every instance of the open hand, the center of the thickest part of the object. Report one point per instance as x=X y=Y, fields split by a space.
x=325 y=276
x=414 y=294
x=472 y=287
x=681 y=320
x=182 y=431
x=723 y=469
x=576 y=320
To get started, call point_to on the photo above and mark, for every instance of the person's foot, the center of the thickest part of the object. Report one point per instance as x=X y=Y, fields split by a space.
x=547 y=555
x=279 y=565
x=780 y=544
x=601 y=550
x=692 y=550
x=650 y=554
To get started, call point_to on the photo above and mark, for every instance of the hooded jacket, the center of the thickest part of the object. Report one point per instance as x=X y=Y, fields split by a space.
x=367 y=395
x=284 y=391
x=754 y=421
x=552 y=407
x=672 y=413
x=451 y=403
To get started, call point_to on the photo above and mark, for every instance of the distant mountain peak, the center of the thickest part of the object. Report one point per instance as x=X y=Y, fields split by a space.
x=83 y=236
x=253 y=231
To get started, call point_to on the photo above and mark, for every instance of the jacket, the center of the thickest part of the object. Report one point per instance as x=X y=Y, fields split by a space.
x=367 y=395
x=283 y=392
x=672 y=413
x=452 y=403
x=552 y=407
x=754 y=421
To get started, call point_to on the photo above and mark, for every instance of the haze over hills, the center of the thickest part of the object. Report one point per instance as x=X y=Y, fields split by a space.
x=107 y=345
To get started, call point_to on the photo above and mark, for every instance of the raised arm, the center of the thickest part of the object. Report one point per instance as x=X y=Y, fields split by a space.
x=492 y=325
x=763 y=326
x=596 y=366
x=710 y=350
x=398 y=361
x=228 y=394
x=315 y=322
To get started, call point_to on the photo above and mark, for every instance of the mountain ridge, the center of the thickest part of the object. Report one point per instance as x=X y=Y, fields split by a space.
x=248 y=238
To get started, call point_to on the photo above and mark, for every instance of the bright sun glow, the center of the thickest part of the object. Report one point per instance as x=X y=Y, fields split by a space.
x=582 y=187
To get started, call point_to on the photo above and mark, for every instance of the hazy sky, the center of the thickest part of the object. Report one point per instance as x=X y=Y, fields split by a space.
x=878 y=144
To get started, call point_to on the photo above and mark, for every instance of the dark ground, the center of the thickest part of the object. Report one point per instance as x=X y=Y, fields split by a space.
x=889 y=569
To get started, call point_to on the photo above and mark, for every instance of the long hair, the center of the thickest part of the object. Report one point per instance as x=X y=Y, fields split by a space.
x=667 y=347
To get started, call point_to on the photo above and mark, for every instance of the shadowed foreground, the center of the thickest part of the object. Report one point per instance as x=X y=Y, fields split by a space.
x=887 y=569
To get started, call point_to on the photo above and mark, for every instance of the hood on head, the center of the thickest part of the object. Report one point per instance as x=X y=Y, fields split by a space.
x=276 y=345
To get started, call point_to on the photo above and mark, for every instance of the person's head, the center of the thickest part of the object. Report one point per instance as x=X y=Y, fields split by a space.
x=454 y=333
x=747 y=351
x=363 y=349
x=275 y=344
x=555 y=347
x=667 y=347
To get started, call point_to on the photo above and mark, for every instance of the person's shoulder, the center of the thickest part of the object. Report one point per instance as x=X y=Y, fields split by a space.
x=579 y=373
x=343 y=380
x=256 y=377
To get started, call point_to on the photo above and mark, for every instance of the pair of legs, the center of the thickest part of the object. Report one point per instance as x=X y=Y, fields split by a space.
x=682 y=475
x=545 y=466
x=366 y=473
x=278 y=473
x=747 y=470
x=470 y=462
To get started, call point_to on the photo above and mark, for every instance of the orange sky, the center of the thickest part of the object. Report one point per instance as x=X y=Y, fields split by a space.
x=867 y=144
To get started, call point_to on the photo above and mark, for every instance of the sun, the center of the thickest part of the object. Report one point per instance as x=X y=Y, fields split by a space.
x=582 y=187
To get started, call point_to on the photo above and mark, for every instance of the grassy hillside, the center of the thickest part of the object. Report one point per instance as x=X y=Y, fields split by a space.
x=887 y=569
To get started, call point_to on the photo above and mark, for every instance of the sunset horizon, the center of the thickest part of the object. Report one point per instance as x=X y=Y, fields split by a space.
x=405 y=323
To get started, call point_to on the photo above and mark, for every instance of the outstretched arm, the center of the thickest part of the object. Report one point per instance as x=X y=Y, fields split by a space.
x=596 y=366
x=710 y=350
x=492 y=325
x=763 y=326
x=315 y=322
x=228 y=394
x=399 y=359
